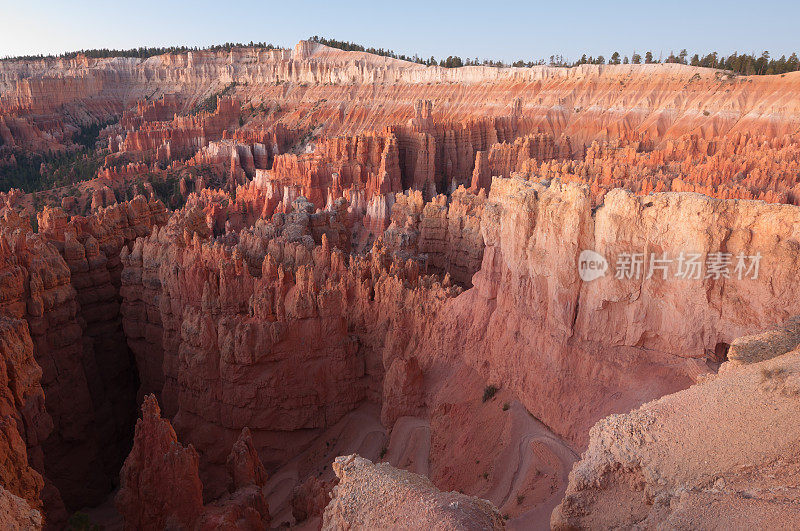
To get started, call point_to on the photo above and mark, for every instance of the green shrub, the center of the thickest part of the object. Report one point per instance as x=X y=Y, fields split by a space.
x=81 y=522
x=489 y=391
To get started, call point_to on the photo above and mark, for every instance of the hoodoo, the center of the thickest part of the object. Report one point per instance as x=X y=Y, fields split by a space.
x=250 y=287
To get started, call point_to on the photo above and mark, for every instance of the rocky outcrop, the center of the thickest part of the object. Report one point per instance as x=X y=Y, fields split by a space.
x=380 y=496
x=765 y=345
x=244 y=465
x=16 y=514
x=652 y=468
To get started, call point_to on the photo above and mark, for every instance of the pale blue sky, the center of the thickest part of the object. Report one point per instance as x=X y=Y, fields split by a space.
x=486 y=29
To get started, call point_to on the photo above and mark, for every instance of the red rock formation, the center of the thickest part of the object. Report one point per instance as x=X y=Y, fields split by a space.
x=181 y=136
x=232 y=306
x=265 y=284
x=446 y=230
x=293 y=287
x=740 y=166
x=482 y=174
x=24 y=423
x=535 y=302
x=575 y=100
x=70 y=305
x=159 y=464
x=244 y=465
x=267 y=141
x=160 y=110
x=379 y=496
x=159 y=484
x=519 y=118
x=91 y=248
x=38 y=289
x=367 y=164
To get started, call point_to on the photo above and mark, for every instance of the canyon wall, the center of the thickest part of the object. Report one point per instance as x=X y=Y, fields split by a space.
x=256 y=329
x=531 y=324
x=61 y=306
x=220 y=323
x=660 y=99
x=325 y=124
x=25 y=421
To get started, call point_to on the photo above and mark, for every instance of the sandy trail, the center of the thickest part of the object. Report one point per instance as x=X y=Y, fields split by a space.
x=534 y=455
x=358 y=432
x=410 y=445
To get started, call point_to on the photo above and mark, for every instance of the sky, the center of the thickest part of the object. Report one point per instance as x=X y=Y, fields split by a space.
x=506 y=31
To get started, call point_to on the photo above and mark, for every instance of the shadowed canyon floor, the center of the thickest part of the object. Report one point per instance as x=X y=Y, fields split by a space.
x=326 y=289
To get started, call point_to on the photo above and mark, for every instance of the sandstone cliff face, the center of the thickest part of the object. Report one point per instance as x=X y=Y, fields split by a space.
x=37 y=288
x=662 y=99
x=528 y=299
x=652 y=467
x=63 y=311
x=25 y=422
x=379 y=496
x=91 y=248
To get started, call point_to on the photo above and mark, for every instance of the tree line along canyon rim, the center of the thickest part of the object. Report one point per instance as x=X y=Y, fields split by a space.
x=249 y=287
